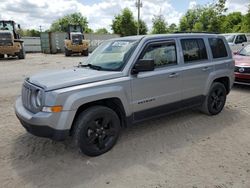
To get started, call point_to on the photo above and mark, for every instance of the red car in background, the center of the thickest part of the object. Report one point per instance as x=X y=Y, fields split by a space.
x=242 y=66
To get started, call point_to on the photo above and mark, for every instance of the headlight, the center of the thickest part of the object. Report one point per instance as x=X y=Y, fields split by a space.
x=37 y=98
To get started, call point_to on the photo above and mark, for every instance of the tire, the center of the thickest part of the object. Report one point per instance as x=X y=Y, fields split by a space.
x=215 y=100
x=96 y=130
x=85 y=52
x=1 y=56
x=21 y=54
x=67 y=52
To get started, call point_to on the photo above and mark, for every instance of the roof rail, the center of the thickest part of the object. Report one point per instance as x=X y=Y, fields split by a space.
x=204 y=32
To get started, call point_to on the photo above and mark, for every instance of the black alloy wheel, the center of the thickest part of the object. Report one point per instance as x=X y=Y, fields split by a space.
x=216 y=99
x=97 y=130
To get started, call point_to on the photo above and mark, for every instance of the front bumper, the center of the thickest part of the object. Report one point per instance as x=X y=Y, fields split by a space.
x=44 y=131
x=40 y=124
x=77 y=48
x=242 y=78
x=12 y=50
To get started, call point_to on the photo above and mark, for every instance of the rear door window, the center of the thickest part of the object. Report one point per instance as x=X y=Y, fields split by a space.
x=218 y=48
x=193 y=50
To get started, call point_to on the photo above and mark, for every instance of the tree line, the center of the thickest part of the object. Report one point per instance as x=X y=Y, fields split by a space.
x=206 y=18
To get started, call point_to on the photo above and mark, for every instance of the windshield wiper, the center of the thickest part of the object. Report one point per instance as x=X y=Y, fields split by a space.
x=95 y=67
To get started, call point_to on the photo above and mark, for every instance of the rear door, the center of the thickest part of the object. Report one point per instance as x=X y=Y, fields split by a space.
x=196 y=68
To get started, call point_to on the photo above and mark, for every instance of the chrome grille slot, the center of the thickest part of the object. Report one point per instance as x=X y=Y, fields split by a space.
x=26 y=93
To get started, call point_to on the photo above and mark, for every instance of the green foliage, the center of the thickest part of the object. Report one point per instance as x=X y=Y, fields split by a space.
x=232 y=22
x=210 y=18
x=191 y=17
x=29 y=33
x=124 y=23
x=220 y=6
x=88 y=30
x=201 y=18
x=143 y=27
x=102 y=31
x=61 y=24
x=159 y=25
x=246 y=22
x=172 y=28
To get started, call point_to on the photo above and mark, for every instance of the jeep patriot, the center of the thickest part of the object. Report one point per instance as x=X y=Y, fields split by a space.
x=124 y=81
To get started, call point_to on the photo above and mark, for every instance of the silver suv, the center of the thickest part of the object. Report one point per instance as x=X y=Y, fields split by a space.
x=124 y=81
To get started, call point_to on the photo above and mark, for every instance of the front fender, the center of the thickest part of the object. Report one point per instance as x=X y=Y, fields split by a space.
x=75 y=97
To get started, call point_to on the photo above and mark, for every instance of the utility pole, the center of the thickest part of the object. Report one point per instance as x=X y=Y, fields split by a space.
x=138 y=4
x=40 y=27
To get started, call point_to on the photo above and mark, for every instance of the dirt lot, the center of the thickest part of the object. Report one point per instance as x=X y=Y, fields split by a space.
x=187 y=149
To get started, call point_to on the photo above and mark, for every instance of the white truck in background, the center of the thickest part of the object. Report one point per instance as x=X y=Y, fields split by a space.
x=237 y=41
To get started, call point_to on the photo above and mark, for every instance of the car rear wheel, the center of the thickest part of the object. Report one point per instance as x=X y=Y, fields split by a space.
x=96 y=130
x=215 y=100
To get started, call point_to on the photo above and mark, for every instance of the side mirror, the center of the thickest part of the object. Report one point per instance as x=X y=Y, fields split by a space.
x=143 y=65
x=18 y=25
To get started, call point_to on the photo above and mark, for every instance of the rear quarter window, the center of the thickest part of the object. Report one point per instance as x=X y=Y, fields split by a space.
x=218 y=48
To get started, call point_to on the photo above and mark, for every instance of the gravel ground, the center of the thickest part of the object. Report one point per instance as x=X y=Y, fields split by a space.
x=187 y=149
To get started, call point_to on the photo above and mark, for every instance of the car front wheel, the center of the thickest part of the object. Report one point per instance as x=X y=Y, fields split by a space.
x=96 y=130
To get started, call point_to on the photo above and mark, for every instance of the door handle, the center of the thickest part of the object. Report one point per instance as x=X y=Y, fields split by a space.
x=206 y=68
x=173 y=75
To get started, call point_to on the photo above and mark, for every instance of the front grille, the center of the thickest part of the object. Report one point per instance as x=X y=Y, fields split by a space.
x=76 y=42
x=28 y=92
x=6 y=39
x=242 y=69
x=77 y=39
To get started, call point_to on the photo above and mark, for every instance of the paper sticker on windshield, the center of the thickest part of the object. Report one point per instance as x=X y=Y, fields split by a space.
x=120 y=43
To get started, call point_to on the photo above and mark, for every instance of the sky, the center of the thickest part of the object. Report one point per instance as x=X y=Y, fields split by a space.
x=33 y=14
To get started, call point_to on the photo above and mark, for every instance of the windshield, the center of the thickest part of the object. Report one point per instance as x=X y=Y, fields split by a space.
x=245 y=51
x=230 y=38
x=7 y=26
x=112 y=55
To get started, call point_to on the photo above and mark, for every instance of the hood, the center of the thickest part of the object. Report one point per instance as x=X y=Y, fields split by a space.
x=241 y=60
x=69 y=77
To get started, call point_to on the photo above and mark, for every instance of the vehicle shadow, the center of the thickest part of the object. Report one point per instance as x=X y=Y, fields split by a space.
x=37 y=160
x=241 y=87
x=9 y=59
